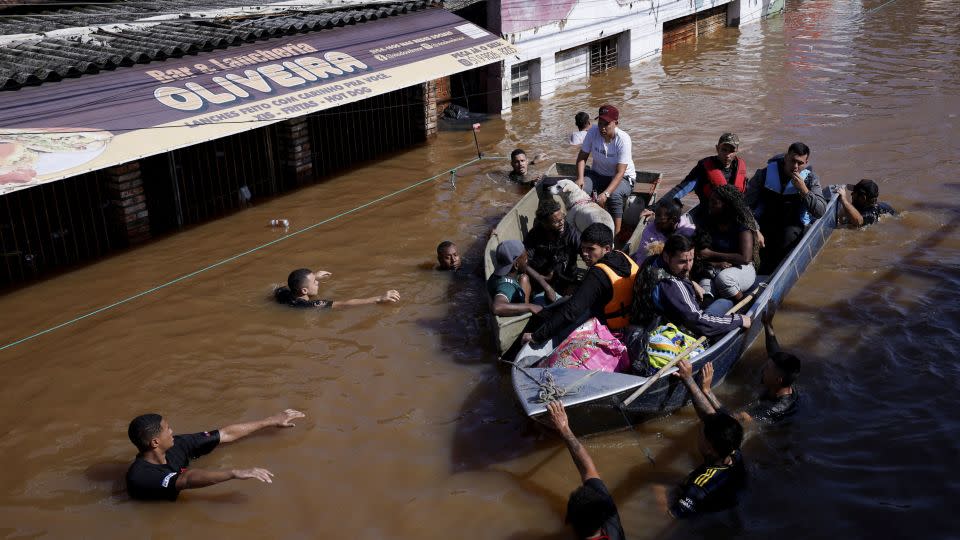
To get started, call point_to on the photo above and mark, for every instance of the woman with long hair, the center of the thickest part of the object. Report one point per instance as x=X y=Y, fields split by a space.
x=730 y=259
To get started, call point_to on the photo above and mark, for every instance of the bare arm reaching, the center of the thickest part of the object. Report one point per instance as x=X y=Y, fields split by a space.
x=700 y=402
x=581 y=457
x=235 y=432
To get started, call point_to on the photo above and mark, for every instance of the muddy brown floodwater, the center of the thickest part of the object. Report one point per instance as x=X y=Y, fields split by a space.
x=411 y=431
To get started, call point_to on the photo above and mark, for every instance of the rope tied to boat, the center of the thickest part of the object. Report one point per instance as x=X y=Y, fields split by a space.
x=549 y=389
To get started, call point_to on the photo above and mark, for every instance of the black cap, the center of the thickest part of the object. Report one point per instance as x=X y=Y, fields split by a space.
x=868 y=188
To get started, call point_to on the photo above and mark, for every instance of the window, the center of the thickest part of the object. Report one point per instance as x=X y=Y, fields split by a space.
x=520 y=82
x=603 y=55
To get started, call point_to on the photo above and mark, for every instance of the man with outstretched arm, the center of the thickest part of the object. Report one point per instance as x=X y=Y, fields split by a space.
x=779 y=399
x=160 y=470
x=591 y=511
x=716 y=484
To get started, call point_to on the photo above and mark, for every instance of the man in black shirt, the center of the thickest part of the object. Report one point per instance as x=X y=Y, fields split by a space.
x=779 y=398
x=590 y=510
x=303 y=285
x=553 y=246
x=716 y=484
x=160 y=471
x=859 y=206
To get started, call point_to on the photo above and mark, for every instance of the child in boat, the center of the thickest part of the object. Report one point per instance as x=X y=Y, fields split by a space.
x=303 y=285
x=509 y=285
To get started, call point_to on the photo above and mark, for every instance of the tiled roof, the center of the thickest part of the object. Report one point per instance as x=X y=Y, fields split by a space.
x=49 y=46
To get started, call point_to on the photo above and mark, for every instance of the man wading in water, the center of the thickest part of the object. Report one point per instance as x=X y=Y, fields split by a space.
x=160 y=471
x=303 y=285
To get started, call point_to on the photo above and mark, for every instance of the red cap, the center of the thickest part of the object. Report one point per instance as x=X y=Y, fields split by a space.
x=609 y=113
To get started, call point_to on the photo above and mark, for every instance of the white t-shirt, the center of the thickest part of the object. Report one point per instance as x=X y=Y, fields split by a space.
x=576 y=138
x=606 y=156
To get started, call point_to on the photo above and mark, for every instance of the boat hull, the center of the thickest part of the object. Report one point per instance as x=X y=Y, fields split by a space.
x=596 y=402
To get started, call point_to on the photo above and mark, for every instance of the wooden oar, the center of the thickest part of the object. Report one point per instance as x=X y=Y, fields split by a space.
x=686 y=352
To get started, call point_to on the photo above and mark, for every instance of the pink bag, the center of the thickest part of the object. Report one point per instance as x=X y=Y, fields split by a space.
x=592 y=347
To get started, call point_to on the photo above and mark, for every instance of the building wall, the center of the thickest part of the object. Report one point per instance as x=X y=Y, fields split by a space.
x=50 y=227
x=556 y=38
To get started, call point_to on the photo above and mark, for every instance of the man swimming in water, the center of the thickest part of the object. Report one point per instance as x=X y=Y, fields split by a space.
x=859 y=206
x=303 y=285
x=779 y=398
x=716 y=484
x=448 y=257
x=161 y=470
x=591 y=511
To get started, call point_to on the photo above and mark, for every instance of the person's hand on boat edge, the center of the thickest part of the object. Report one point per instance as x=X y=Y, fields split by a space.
x=767 y=318
x=558 y=417
x=390 y=296
x=684 y=370
x=706 y=377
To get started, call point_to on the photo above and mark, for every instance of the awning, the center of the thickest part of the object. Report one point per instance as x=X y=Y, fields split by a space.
x=63 y=129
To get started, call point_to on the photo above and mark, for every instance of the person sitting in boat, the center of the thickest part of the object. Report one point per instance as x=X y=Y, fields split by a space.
x=716 y=484
x=606 y=292
x=509 y=285
x=859 y=206
x=448 y=257
x=728 y=261
x=519 y=167
x=553 y=246
x=723 y=169
x=591 y=511
x=612 y=172
x=160 y=470
x=576 y=138
x=664 y=291
x=668 y=219
x=785 y=197
x=303 y=285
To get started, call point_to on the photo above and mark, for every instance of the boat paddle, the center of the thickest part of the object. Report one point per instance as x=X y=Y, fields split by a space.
x=685 y=353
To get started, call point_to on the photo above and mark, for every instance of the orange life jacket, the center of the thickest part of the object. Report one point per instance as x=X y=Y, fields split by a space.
x=617 y=309
x=715 y=176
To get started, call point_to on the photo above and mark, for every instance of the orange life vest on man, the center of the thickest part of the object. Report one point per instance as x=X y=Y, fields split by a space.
x=715 y=176
x=616 y=312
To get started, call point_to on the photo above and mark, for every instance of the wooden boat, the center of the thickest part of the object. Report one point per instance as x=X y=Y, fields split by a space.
x=518 y=221
x=595 y=400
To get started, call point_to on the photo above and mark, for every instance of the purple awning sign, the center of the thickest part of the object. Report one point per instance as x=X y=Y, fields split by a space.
x=62 y=129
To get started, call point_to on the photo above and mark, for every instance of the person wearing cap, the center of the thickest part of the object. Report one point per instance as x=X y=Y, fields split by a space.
x=553 y=247
x=861 y=207
x=576 y=138
x=161 y=469
x=785 y=197
x=724 y=168
x=606 y=292
x=612 y=173
x=509 y=284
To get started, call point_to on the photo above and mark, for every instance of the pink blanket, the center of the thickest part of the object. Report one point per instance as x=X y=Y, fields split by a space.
x=592 y=347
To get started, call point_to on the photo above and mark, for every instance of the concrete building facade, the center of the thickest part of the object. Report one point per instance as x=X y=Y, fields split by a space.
x=565 y=40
